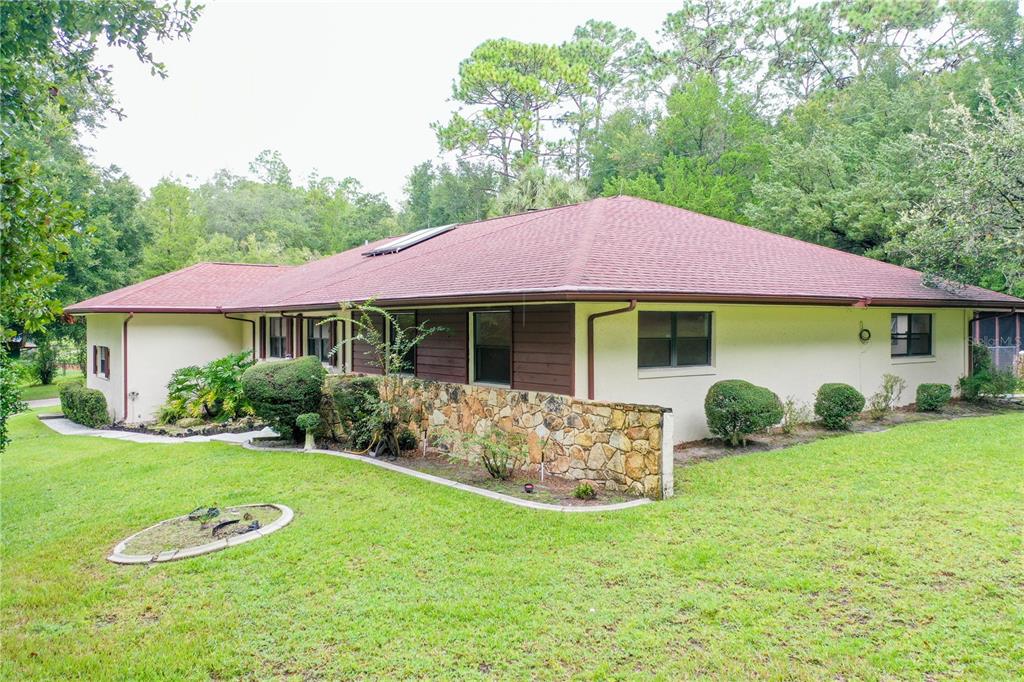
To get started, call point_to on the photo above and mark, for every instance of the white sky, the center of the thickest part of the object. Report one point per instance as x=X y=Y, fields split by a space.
x=347 y=89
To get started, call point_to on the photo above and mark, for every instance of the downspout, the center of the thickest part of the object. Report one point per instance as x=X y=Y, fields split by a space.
x=242 y=319
x=590 y=341
x=124 y=361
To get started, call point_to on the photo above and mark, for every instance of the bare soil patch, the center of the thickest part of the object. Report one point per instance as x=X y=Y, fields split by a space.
x=184 y=532
x=714 y=448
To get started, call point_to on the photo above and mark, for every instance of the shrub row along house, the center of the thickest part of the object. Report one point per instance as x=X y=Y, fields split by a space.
x=619 y=300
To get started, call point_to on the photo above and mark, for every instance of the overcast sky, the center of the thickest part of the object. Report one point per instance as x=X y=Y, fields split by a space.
x=348 y=89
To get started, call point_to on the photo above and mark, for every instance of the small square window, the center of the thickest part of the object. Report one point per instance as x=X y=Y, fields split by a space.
x=667 y=339
x=910 y=334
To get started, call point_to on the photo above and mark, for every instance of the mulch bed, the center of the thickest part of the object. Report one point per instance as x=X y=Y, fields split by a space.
x=183 y=533
x=209 y=429
x=709 y=449
x=553 y=490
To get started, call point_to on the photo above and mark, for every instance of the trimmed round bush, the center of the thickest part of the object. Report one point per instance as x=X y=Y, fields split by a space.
x=735 y=409
x=837 y=405
x=931 y=397
x=280 y=391
x=308 y=421
x=85 y=406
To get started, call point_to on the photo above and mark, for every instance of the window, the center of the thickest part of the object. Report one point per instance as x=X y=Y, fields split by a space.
x=674 y=339
x=405 y=322
x=278 y=337
x=318 y=339
x=492 y=347
x=101 y=361
x=911 y=335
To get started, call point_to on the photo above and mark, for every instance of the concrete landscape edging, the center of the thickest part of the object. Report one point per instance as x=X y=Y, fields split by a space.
x=118 y=556
x=501 y=497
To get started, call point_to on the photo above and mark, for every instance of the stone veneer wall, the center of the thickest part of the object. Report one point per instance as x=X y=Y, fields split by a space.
x=616 y=446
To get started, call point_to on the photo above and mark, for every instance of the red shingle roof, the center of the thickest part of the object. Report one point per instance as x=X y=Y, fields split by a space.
x=609 y=248
x=204 y=287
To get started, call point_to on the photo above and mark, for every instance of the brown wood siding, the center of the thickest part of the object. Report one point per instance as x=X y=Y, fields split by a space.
x=543 y=348
x=442 y=356
x=362 y=353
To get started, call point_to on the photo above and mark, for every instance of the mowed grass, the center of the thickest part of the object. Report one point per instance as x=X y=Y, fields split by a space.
x=894 y=555
x=40 y=392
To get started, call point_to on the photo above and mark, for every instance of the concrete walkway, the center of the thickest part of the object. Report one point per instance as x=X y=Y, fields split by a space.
x=67 y=427
x=43 y=402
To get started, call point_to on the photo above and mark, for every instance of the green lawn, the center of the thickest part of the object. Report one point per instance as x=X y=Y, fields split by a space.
x=894 y=555
x=39 y=392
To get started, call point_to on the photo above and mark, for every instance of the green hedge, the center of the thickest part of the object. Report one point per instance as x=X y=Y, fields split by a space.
x=357 y=403
x=735 y=409
x=280 y=391
x=837 y=405
x=85 y=406
x=931 y=397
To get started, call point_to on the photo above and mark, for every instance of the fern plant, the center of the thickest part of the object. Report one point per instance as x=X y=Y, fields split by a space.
x=211 y=392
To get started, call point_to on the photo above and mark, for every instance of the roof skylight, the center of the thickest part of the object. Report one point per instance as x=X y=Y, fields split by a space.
x=411 y=239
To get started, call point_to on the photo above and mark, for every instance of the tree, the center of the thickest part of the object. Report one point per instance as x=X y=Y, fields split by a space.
x=174 y=226
x=613 y=61
x=535 y=188
x=49 y=81
x=507 y=92
x=971 y=228
x=269 y=168
x=445 y=195
x=712 y=146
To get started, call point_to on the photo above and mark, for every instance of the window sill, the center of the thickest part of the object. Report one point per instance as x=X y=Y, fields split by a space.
x=670 y=372
x=913 y=359
x=489 y=384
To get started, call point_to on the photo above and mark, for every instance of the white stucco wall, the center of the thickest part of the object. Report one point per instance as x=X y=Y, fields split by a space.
x=790 y=349
x=105 y=330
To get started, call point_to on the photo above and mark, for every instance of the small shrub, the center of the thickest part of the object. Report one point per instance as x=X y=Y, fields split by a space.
x=794 y=413
x=837 y=405
x=882 y=402
x=85 y=406
x=584 y=491
x=985 y=380
x=10 y=400
x=500 y=452
x=932 y=397
x=735 y=409
x=211 y=392
x=309 y=422
x=357 y=402
x=282 y=390
x=44 y=359
x=407 y=440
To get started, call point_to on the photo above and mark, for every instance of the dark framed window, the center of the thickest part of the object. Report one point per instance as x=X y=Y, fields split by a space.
x=667 y=339
x=492 y=347
x=318 y=339
x=405 y=322
x=911 y=334
x=278 y=337
x=101 y=361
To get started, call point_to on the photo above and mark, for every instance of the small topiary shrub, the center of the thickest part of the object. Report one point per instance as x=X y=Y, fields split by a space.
x=85 y=406
x=309 y=422
x=837 y=405
x=931 y=397
x=282 y=390
x=735 y=409
x=584 y=491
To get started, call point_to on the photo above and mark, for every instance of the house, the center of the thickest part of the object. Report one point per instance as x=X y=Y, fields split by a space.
x=616 y=299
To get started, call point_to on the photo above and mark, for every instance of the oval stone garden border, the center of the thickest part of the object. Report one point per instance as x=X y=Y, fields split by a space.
x=119 y=557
